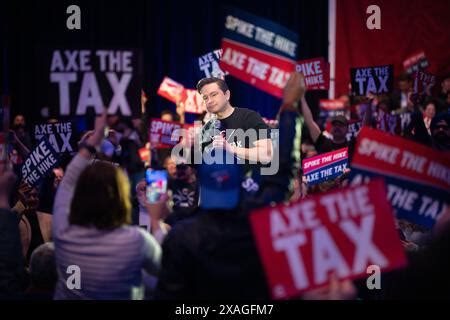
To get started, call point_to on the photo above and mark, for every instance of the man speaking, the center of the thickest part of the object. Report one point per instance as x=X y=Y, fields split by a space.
x=239 y=131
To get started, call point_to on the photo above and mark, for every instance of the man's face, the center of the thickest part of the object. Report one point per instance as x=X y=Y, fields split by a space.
x=215 y=99
x=430 y=110
x=338 y=130
x=441 y=132
x=171 y=167
x=404 y=85
x=446 y=85
x=184 y=172
x=29 y=197
x=59 y=173
x=19 y=121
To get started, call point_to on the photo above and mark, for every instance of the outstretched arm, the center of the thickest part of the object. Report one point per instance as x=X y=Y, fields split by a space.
x=313 y=128
x=63 y=199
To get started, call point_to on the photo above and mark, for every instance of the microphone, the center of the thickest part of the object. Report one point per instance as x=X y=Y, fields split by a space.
x=217 y=124
x=210 y=129
x=214 y=125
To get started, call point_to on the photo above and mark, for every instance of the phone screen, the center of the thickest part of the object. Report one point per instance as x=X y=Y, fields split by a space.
x=156 y=184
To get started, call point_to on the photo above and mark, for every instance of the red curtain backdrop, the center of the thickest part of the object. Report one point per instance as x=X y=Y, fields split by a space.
x=407 y=27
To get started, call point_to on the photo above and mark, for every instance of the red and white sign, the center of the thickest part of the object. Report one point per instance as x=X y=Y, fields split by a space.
x=164 y=134
x=341 y=232
x=401 y=158
x=193 y=102
x=174 y=91
x=316 y=72
x=323 y=160
x=415 y=62
x=335 y=104
x=265 y=71
x=170 y=89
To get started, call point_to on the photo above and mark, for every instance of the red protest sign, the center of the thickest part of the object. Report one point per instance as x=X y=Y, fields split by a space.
x=417 y=177
x=415 y=62
x=193 y=102
x=402 y=158
x=170 y=89
x=164 y=134
x=331 y=104
x=267 y=72
x=316 y=72
x=325 y=166
x=341 y=232
x=323 y=160
x=258 y=51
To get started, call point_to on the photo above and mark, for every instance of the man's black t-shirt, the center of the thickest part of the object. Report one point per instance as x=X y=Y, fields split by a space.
x=231 y=126
x=185 y=199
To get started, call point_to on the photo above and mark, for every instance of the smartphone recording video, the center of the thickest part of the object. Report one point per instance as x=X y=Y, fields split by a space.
x=156 y=184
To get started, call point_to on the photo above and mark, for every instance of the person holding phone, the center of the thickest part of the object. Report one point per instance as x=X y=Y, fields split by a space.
x=91 y=231
x=152 y=214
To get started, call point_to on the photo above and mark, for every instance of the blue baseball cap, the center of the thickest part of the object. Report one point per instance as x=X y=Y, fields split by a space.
x=220 y=185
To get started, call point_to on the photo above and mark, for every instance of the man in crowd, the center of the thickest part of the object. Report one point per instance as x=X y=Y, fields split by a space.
x=323 y=143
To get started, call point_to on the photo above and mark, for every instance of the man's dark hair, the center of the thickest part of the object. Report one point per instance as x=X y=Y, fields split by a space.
x=166 y=111
x=221 y=83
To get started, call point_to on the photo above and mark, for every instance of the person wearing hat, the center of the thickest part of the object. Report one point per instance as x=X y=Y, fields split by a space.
x=339 y=129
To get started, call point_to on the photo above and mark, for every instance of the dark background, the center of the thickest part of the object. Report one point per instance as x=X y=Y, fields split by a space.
x=171 y=35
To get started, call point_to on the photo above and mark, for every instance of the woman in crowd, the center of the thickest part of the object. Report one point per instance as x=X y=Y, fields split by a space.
x=98 y=256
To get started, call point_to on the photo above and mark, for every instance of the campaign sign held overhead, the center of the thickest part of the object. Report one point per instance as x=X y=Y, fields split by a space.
x=258 y=51
x=170 y=89
x=326 y=166
x=74 y=81
x=60 y=136
x=316 y=72
x=208 y=65
x=375 y=80
x=40 y=161
x=164 y=134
